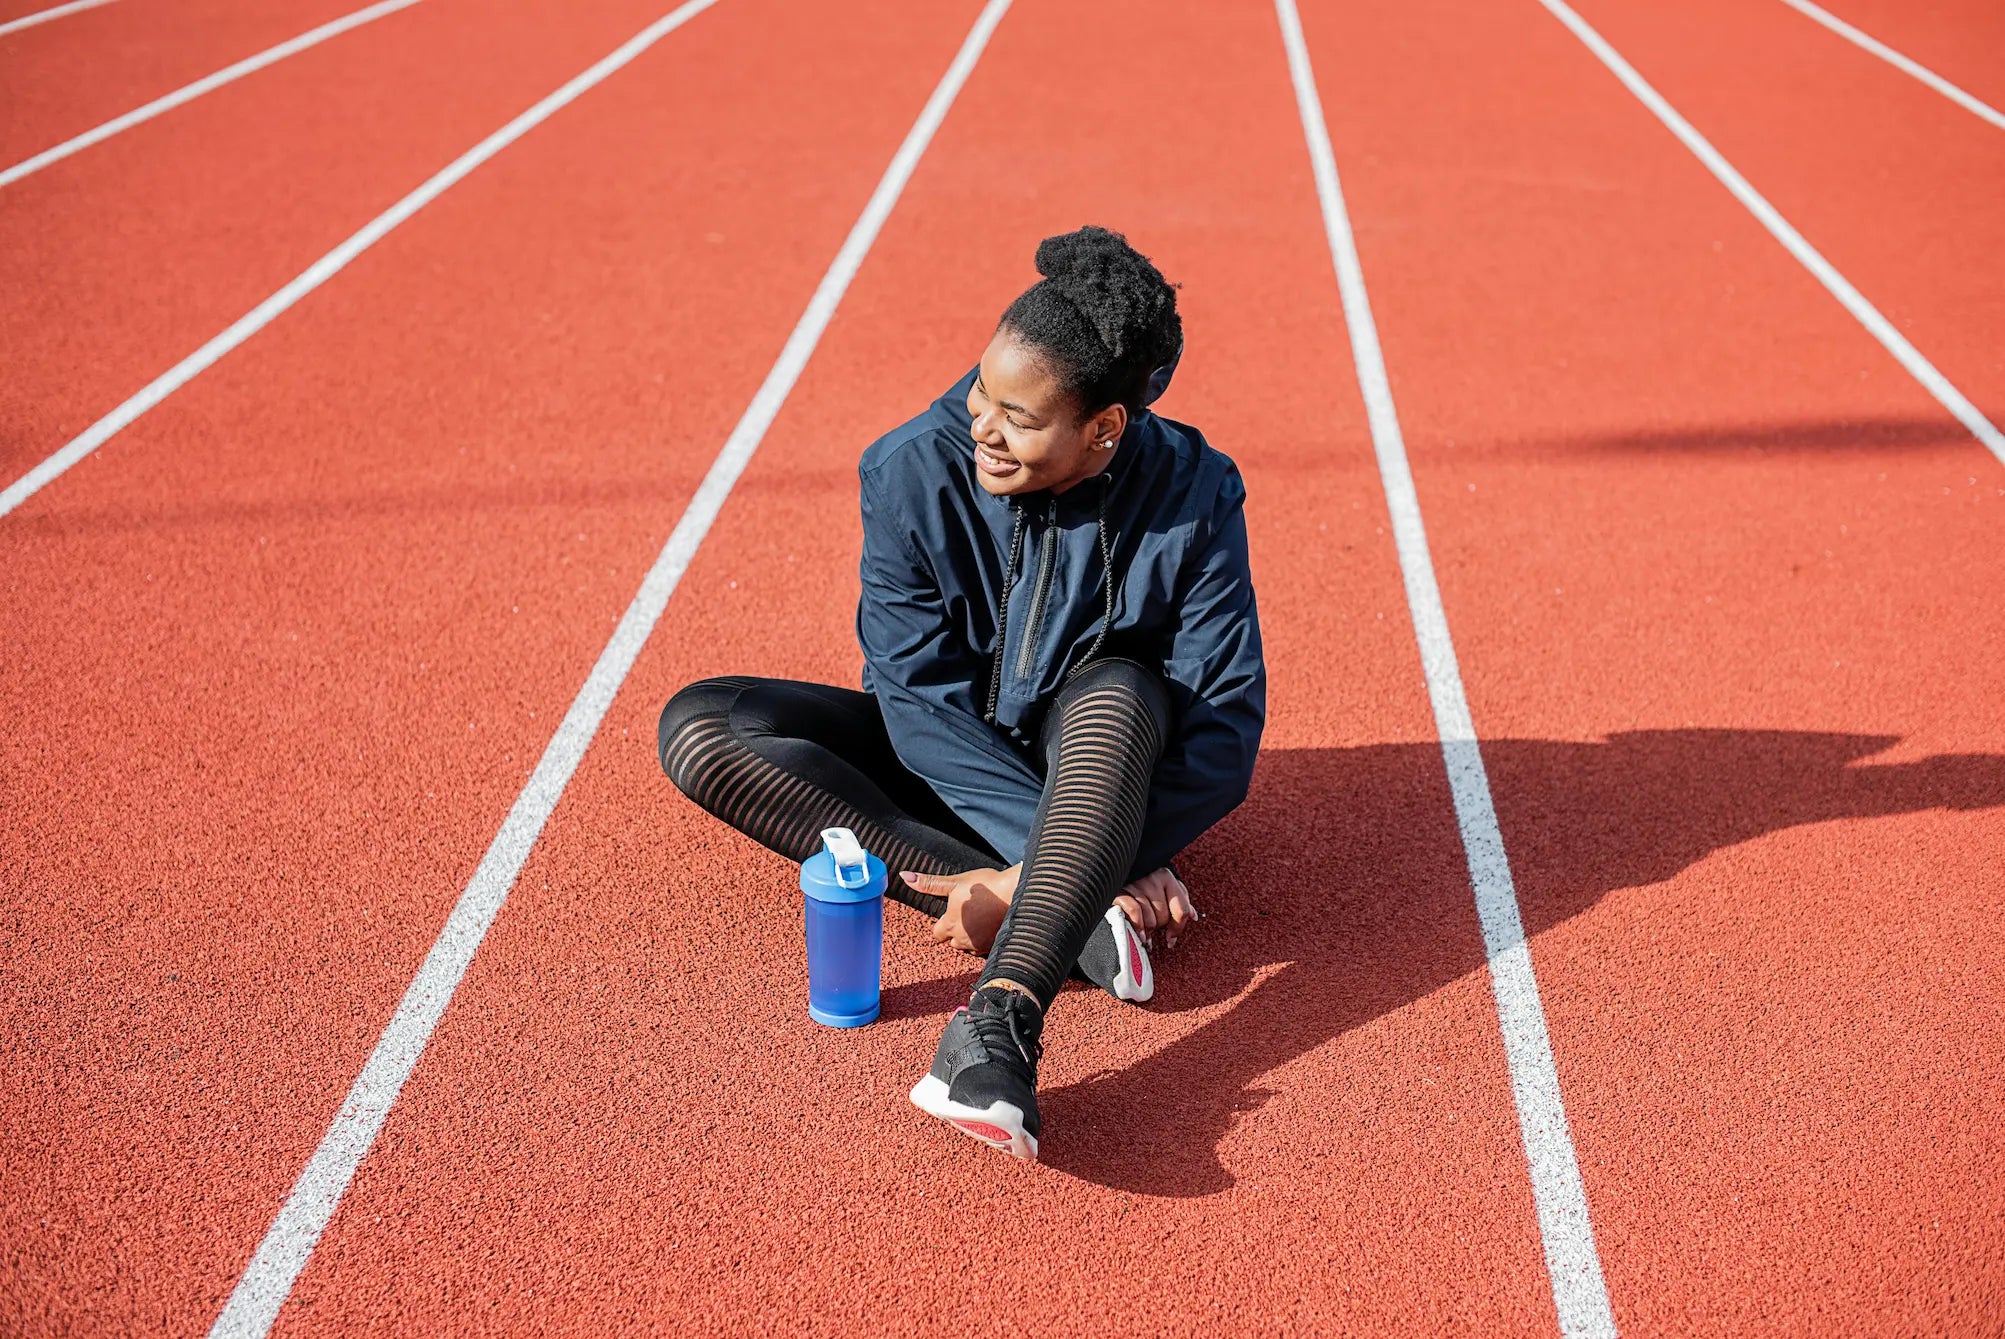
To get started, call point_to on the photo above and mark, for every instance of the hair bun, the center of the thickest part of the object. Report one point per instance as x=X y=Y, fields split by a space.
x=1117 y=289
x=1103 y=311
x=1090 y=254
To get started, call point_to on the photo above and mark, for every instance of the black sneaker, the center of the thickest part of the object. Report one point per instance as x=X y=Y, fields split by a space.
x=1116 y=960
x=984 y=1076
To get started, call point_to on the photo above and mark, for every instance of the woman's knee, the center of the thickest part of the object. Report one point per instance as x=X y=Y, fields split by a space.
x=1128 y=682
x=1113 y=692
x=703 y=708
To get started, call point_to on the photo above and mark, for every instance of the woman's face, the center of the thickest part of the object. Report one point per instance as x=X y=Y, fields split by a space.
x=1028 y=433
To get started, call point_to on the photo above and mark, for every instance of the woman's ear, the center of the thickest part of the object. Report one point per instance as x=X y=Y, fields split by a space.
x=1107 y=427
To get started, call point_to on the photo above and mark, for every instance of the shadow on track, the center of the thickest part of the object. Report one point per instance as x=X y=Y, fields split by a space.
x=577 y=494
x=1371 y=830
x=1866 y=434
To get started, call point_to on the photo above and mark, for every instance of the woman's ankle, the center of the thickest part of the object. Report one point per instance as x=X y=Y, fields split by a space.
x=1004 y=983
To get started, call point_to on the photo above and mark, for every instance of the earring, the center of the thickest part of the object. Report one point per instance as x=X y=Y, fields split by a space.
x=1103 y=446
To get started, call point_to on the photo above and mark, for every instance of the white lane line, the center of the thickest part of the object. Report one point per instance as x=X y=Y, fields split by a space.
x=1579 y=1294
x=208 y=84
x=1867 y=315
x=1867 y=42
x=255 y=1303
x=30 y=20
x=331 y=264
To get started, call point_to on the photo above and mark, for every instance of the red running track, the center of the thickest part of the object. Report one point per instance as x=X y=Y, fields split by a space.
x=282 y=653
x=76 y=71
x=388 y=575
x=134 y=252
x=1720 y=576
x=1328 y=1093
x=1896 y=185
x=1955 y=38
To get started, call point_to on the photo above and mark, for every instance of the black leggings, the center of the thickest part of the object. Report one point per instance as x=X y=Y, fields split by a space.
x=780 y=760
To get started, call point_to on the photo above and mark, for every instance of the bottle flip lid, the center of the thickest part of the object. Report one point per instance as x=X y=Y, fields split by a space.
x=842 y=871
x=852 y=869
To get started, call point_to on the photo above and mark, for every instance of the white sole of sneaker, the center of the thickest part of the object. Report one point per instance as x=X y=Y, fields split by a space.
x=1136 y=981
x=999 y=1125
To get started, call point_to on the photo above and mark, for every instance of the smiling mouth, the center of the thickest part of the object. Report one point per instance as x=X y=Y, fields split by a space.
x=1000 y=467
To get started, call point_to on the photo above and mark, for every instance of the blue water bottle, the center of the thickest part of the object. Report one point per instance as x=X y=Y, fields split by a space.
x=844 y=887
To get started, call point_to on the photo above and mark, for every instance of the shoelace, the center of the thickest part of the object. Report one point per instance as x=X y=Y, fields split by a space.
x=999 y=1021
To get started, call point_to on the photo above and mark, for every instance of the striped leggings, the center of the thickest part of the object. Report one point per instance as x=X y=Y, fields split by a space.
x=780 y=760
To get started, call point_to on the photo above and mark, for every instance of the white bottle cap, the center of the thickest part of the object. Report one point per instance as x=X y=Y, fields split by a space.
x=852 y=870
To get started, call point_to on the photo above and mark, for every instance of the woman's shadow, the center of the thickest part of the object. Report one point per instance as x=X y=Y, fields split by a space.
x=1345 y=866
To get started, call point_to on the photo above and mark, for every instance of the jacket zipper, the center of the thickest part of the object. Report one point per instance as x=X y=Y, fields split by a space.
x=1046 y=560
x=996 y=663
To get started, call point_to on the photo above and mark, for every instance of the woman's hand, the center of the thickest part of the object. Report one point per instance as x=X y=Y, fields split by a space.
x=976 y=902
x=1156 y=903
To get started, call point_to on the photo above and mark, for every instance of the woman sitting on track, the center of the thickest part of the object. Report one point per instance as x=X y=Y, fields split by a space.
x=1062 y=668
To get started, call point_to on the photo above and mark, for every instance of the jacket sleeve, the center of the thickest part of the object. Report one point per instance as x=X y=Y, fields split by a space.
x=926 y=690
x=1218 y=687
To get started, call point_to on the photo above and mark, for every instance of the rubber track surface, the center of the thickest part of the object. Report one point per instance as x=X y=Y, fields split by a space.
x=1899 y=187
x=379 y=543
x=1954 y=38
x=192 y=219
x=1721 y=580
x=76 y=71
x=628 y=1055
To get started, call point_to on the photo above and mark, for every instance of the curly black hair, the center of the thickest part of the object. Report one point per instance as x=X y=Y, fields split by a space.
x=1102 y=316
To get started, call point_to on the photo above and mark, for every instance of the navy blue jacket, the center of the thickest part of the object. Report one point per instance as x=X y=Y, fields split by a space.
x=935 y=544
